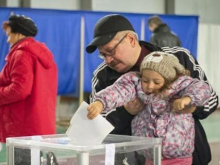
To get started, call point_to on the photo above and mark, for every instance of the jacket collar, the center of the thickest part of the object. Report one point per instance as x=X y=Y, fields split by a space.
x=150 y=46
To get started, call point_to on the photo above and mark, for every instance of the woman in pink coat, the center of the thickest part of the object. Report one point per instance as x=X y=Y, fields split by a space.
x=28 y=83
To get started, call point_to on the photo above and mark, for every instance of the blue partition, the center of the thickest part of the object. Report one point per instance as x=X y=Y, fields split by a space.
x=60 y=31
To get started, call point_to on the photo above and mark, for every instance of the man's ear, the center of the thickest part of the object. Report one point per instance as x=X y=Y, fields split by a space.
x=131 y=39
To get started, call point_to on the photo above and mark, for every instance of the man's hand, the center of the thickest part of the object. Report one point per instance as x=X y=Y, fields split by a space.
x=94 y=109
x=135 y=106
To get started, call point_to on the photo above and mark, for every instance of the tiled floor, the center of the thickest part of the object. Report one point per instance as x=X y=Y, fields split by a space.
x=210 y=124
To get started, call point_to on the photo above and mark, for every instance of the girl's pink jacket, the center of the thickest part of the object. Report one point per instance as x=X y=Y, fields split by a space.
x=157 y=119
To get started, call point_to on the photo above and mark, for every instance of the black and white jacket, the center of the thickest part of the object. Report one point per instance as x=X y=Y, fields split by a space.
x=121 y=119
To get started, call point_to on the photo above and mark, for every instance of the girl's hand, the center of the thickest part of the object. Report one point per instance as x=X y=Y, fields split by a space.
x=180 y=104
x=94 y=109
x=187 y=110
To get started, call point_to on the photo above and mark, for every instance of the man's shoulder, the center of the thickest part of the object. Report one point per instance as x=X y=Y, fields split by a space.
x=184 y=56
x=176 y=50
x=104 y=71
x=101 y=68
x=151 y=47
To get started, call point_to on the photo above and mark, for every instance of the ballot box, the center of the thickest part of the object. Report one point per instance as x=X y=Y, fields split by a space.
x=60 y=150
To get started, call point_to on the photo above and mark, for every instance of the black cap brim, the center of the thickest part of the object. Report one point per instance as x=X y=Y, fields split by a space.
x=99 y=41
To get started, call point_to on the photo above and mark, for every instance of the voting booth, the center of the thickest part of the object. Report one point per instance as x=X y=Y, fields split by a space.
x=67 y=33
x=115 y=149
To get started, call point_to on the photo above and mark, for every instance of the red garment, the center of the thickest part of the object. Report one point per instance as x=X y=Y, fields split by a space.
x=177 y=161
x=172 y=161
x=28 y=91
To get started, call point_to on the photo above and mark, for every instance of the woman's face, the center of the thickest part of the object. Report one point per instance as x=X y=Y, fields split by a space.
x=151 y=81
x=12 y=37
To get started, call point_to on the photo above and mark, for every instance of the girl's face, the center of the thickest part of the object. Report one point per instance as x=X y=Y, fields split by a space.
x=151 y=81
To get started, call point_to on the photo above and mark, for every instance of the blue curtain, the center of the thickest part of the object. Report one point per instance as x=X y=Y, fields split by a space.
x=4 y=47
x=60 y=31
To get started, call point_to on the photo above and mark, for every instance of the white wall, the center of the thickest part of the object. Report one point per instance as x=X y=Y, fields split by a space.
x=48 y=4
x=208 y=10
x=131 y=6
x=56 y=4
x=12 y=3
x=209 y=53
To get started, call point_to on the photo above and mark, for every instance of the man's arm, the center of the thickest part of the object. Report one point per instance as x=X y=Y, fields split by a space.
x=191 y=64
x=119 y=118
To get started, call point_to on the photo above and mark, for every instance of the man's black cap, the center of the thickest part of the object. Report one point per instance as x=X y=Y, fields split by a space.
x=21 y=24
x=106 y=28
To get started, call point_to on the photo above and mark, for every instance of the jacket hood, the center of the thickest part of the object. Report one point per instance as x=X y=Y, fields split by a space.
x=162 y=28
x=36 y=49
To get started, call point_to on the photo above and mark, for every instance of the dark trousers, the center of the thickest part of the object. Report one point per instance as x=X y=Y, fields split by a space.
x=202 y=152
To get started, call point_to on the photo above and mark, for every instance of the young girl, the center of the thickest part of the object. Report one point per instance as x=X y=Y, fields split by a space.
x=164 y=86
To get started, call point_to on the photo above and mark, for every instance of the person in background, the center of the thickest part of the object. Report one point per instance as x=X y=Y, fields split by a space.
x=28 y=85
x=162 y=36
x=121 y=51
x=164 y=86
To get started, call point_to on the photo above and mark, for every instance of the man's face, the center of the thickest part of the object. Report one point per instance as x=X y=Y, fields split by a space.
x=12 y=37
x=118 y=58
x=152 y=27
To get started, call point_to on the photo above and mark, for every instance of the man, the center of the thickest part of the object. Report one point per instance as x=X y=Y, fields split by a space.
x=118 y=45
x=28 y=85
x=162 y=36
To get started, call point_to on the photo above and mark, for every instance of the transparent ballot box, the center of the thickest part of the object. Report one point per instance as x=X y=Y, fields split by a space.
x=58 y=149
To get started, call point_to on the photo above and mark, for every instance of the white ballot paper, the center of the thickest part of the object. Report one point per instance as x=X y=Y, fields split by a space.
x=84 y=131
